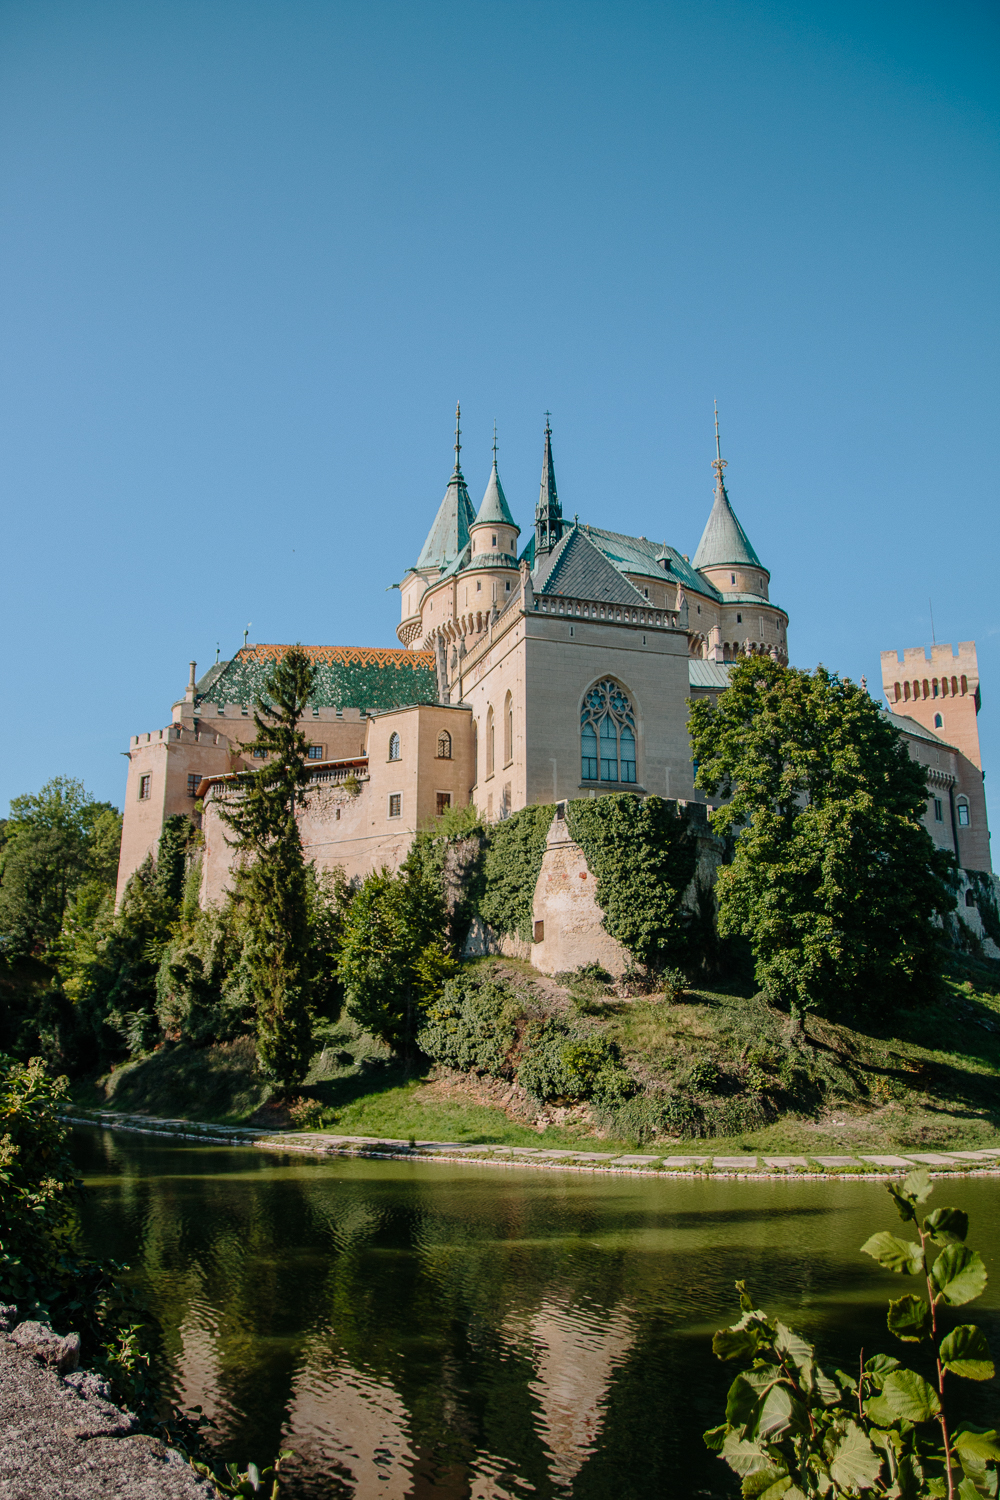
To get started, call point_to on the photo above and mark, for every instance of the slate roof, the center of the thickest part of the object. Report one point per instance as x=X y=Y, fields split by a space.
x=636 y=554
x=724 y=542
x=494 y=507
x=450 y=531
x=580 y=570
x=371 y=678
x=707 y=674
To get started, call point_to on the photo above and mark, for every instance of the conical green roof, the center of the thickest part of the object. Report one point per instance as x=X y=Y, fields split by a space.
x=724 y=543
x=494 y=508
x=450 y=532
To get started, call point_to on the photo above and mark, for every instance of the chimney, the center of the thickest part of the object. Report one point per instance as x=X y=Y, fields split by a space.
x=189 y=695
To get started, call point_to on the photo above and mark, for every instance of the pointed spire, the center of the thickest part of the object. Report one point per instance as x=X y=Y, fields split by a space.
x=548 y=512
x=494 y=508
x=449 y=534
x=724 y=543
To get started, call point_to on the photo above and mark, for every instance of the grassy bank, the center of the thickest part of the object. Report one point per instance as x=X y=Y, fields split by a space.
x=756 y=1079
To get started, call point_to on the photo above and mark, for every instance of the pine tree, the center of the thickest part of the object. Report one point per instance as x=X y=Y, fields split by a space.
x=271 y=879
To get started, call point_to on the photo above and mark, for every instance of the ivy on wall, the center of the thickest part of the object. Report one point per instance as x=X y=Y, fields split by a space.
x=511 y=868
x=643 y=857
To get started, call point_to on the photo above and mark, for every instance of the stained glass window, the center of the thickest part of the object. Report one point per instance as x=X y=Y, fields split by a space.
x=607 y=735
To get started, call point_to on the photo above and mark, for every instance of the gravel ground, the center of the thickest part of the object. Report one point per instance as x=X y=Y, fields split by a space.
x=62 y=1439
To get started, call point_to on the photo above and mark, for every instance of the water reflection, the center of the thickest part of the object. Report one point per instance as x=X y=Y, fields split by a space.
x=415 y=1330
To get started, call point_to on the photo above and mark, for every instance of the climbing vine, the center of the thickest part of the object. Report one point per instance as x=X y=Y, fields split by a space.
x=643 y=857
x=511 y=868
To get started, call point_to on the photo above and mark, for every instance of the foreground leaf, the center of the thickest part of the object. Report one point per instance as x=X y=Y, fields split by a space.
x=879 y=1366
x=909 y=1396
x=715 y=1437
x=965 y=1351
x=909 y=1319
x=736 y=1343
x=977 y=1442
x=768 y=1484
x=948 y=1226
x=744 y=1457
x=958 y=1275
x=854 y=1464
x=904 y=1256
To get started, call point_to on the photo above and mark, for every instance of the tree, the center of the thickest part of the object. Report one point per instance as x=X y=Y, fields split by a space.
x=833 y=879
x=391 y=955
x=52 y=842
x=271 y=883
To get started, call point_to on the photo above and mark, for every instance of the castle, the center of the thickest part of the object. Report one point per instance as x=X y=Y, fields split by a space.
x=526 y=674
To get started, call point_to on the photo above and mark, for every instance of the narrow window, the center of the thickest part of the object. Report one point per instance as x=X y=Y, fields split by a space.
x=508 y=730
x=934 y=686
x=970 y=898
x=938 y=722
x=444 y=745
x=395 y=804
x=194 y=781
x=394 y=746
x=443 y=802
x=479 y=585
x=338 y=814
x=145 y=782
x=507 y=588
x=938 y=810
x=732 y=578
x=963 y=815
x=490 y=742
x=645 y=593
x=315 y=752
x=897 y=692
x=494 y=541
x=965 y=686
x=739 y=619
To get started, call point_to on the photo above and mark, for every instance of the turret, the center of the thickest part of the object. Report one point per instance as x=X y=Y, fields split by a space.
x=494 y=532
x=446 y=541
x=725 y=556
x=548 y=512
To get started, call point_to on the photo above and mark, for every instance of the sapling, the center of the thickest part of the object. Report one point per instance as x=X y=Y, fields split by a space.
x=796 y=1431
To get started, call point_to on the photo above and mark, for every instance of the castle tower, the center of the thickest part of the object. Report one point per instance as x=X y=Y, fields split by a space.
x=940 y=691
x=446 y=541
x=725 y=556
x=548 y=511
x=494 y=532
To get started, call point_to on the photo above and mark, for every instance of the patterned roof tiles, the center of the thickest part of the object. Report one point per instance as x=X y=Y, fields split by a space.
x=372 y=678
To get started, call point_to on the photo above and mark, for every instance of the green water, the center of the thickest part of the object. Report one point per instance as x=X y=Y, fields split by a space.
x=478 y=1333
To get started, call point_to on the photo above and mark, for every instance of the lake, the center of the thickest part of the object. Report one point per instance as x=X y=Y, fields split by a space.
x=474 y=1332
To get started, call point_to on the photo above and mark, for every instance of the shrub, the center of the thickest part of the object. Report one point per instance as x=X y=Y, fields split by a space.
x=473 y=1026
x=511 y=868
x=559 y=1064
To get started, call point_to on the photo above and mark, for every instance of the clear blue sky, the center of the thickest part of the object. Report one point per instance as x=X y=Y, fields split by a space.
x=252 y=252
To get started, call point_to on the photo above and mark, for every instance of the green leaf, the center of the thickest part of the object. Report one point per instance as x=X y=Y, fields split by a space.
x=964 y=1351
x=947 y=1226
x=879 y=1410
x=715 y=1437
x=969 y=1489
x=744 y=1457
x=854 y=1464
x=746 y=1393
x=903 y=1203
x=736 y=1343
x=915 y=1188
x=904 y=1256
x=879 y=1366
x=794 y=1347
x=976 y=1442
x=910 y=1397
x=958 y=1275
x=909 y=1319
x=767 y=1484
x=780 y=1412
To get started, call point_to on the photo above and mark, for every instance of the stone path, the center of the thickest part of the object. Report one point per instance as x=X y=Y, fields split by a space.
x=659 y=1163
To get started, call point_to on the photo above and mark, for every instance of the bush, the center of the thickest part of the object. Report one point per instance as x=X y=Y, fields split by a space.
x=473 y=1026
x=558 y=1064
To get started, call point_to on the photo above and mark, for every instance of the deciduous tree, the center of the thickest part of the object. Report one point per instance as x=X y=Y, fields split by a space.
x=834 y=880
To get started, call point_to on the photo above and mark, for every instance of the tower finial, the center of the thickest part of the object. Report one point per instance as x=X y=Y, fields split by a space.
x=494 y=442
x=458 y=437
x=718 y=462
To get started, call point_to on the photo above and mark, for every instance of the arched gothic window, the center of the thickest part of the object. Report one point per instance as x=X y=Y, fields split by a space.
x=394 y=746
x=444 y=745
x=938 y=721
x=508 y=730
x=607 y=734
x=489 y=741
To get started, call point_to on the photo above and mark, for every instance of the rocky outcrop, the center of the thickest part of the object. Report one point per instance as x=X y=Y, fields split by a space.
x=61 y=1436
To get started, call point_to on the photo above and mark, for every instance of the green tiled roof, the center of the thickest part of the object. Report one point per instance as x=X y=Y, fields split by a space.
x=724 y=542
x=494 y=507
x=370 y=678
